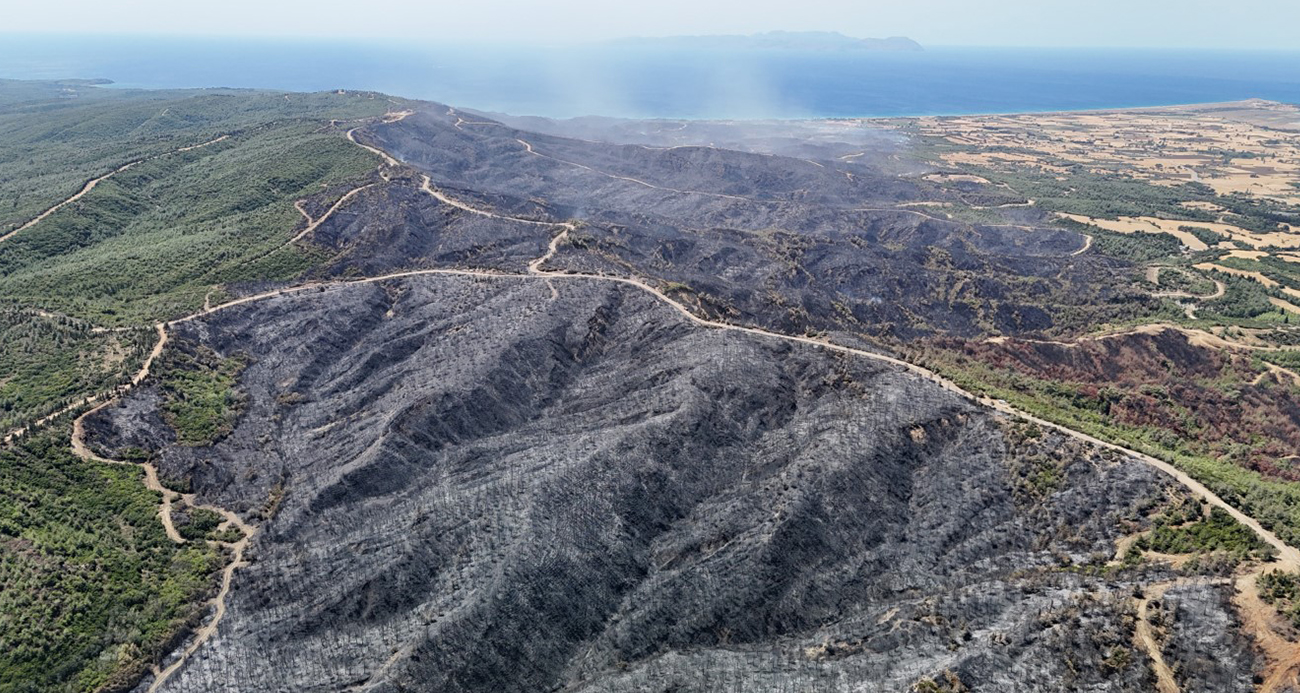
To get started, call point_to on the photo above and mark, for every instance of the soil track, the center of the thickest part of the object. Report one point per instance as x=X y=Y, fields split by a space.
x=312 y=224
x=1153 y=276
x=1144 y=633
x=392 y=117
x=1282 y=672
x=90 y=185
x=169 y=497
x=537 y=272
x=1289 y=557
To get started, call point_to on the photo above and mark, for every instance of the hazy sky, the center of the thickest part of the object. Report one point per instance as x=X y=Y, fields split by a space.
x=1156 y=23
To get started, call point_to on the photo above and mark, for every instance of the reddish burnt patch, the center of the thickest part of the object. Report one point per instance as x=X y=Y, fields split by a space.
x=1216 y=398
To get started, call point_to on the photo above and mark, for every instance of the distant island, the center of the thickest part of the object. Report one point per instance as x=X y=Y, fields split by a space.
x=779 y=40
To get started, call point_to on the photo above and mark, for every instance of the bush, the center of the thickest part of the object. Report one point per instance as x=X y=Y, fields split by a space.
x=1217 y=533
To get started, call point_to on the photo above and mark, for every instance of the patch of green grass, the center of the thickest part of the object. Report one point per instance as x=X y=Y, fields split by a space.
x=1190 y=281
x=1202 y=234
x=1242 y=298
x=196 y=523
x=1289 y=358
x=228 y=535
x=1036 y=472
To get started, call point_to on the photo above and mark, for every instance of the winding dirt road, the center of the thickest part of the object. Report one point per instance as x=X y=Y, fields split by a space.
x=90 y=185
x=218 y=602
x=169 y=497
x=1289 y=557
x=312 y=224
x=388 y=159
x=1153 y=276
x=388 y=118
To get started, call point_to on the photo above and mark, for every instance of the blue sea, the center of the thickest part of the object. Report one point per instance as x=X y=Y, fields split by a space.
x=638 y=81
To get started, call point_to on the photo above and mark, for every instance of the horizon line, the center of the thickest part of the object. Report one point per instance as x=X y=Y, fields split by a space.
x=487 y=42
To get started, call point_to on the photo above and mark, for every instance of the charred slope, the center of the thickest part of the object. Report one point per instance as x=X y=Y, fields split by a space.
x=775 y=241
x=493 y=157
x=397 y=225
x=477 y=486
x=880 y=273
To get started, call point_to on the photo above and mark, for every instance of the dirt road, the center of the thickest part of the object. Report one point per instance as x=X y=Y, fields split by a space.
x=389 y=118
x=1144 y=633
x=312 y=224
x=1288 y=556
x=90 y=185
x=169 y=497
x=1282 y=670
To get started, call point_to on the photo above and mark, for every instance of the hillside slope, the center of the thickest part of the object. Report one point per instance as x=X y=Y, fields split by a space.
x=786 y=243
x=402 y=398
x=487 y=487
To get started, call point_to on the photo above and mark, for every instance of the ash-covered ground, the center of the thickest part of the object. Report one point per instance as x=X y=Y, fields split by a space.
x=472 y=484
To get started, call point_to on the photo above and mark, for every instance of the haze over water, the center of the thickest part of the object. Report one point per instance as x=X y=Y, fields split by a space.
x=630 y=81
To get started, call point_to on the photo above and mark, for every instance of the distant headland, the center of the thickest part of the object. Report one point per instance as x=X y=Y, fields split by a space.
x=778 y=40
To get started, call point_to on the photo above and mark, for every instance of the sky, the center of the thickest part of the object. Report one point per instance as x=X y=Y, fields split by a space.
x=1240 y=24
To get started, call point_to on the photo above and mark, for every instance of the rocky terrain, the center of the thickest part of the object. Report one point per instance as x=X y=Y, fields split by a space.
x=478 y=484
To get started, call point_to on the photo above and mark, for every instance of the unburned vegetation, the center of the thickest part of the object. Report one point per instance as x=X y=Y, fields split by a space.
x=1217 y=413
x=48 y=362
x=91 y=589
x=153 y=241
x=200 y=401
x=92 y=592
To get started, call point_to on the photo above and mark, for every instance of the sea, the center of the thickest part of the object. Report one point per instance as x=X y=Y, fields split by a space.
x=640 y=81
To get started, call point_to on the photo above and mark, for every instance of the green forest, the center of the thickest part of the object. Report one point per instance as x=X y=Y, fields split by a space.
x=92 y=592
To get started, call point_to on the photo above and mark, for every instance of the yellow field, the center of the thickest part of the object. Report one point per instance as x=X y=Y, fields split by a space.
x=1249 y=147
x=1142 y=225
